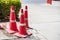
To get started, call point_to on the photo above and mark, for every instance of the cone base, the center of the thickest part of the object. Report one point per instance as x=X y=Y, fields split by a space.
x=20 y=35
x=49 y=4
x=23 y=36
x=10 y=31
x=29 y=33
x=29 y=28
x=1 y=27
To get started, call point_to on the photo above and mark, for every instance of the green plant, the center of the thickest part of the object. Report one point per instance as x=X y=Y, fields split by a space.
x=5 y=7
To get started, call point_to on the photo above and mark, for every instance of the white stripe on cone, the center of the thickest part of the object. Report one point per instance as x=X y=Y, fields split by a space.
x=12 y=20
x=25 y=18
x=12 y=10
x=25 y=9
x=22 y=14
x=22 y=24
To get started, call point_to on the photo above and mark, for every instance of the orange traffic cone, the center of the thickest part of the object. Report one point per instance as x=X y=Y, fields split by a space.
x=22 y=29
x=12 y=24
x=49 y=1
x=26 y=17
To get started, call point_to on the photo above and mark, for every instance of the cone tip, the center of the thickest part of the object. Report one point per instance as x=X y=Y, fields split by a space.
x=21 y=10
x=26 y=7
x=12 y=7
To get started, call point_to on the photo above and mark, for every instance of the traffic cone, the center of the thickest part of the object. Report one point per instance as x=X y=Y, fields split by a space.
x=12 y=24
x=49 y=1
x=22 y=29
x=26 y=17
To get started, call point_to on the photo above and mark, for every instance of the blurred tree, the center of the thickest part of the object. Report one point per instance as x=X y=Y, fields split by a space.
x=5 y=7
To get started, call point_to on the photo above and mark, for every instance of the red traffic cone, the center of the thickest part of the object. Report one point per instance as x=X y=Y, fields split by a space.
x=22 y=29
x=26 y=17
x=49 y=1
x=12 y=24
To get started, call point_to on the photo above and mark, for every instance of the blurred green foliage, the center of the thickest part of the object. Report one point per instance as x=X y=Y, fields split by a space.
x=5 y=7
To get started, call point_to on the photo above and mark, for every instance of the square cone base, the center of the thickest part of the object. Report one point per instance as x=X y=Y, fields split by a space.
x=29 y=28
x=29 y=33
x=1 y=27
x=20 y=35
x=10 y=31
